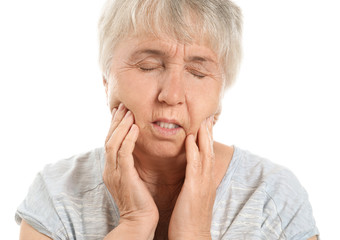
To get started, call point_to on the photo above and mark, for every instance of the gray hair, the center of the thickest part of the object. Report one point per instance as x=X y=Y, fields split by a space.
x=219 y=22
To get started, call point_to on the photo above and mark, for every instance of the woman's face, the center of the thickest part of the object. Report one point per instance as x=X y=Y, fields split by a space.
x=169 y=87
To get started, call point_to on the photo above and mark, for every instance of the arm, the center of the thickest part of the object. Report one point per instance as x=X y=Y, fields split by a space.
x=134 y=231
x=138 y=212
x=28 y=233
x=313 y=238
x=122 y=231
x=191 y=217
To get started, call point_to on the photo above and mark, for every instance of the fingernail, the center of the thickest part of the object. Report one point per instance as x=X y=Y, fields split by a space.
x=114 y=110
x=134 y=129
x=212 y=120
x=128 y=114
x=121 y=106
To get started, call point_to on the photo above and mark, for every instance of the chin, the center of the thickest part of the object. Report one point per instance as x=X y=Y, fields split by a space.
x=161 y=149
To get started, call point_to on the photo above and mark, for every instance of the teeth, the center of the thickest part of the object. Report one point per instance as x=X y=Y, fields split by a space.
x=167 y=125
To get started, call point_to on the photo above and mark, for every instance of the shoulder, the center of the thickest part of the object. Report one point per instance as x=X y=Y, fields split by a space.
x=64 y=197
x=284 y=201
x=278 y=183
x=76 y=174
x=253 y=170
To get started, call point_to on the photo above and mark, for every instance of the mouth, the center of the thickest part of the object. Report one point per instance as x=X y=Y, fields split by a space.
x=166 y=127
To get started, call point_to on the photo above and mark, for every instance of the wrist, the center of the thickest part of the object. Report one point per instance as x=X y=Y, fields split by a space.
x=145 y=227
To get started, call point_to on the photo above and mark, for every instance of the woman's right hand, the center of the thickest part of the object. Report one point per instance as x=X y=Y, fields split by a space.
x=138 y=211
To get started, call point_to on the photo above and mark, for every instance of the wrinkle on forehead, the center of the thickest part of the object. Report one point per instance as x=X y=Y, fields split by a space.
x=166 y=47
x=196 y=38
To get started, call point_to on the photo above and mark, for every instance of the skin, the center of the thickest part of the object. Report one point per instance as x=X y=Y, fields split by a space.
x=164 y=183
x=175 y=82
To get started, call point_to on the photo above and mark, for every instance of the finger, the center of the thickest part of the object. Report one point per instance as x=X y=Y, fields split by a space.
x=205 y=136
x=124 y=156
x=117 y=117
x=114 y=110
x=211 y=126
x=192 y=154
x=118 y=135
x=205 y=143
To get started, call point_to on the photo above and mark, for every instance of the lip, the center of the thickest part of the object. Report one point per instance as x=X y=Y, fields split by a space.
x=173 y=121
x=166 y=132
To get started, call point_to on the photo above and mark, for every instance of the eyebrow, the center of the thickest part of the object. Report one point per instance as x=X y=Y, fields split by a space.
x=157 y=52
x=200 y=59
x=147 y=51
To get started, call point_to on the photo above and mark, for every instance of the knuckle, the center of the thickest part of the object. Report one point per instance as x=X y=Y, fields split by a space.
x=123 y=153
x=128 y=142
x=110 y=148
x=116 y=121
x=209 y=156
x=196 y=163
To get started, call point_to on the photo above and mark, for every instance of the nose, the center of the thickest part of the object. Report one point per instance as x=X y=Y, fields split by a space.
x=172 y=89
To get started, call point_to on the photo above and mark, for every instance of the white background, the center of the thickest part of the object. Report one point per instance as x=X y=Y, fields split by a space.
x=284 y=106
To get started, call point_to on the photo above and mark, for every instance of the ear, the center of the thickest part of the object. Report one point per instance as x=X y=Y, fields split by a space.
x=105 y=83
x=106 y=86
x=217 y=113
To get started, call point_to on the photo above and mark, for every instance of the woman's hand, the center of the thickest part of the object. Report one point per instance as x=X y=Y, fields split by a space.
x=191 y=217
x=138 y=211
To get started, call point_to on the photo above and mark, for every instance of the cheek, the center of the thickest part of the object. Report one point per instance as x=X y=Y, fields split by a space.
x=135 y=93
x=122 y=90
x=112 y=95
x=202 y=103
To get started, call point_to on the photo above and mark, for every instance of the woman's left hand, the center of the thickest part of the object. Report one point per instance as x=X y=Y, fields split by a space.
x=191 y=217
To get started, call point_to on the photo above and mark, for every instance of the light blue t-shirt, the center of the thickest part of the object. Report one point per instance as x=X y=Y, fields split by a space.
x=256 y=199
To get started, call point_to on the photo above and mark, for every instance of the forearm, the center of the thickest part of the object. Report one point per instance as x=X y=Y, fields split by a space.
x=127 y=232
x=191 y=237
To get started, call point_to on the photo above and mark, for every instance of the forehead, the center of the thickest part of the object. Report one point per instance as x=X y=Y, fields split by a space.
x=139 y=46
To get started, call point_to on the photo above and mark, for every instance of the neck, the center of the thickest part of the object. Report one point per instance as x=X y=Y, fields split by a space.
x=160 y=171
x=164 y=177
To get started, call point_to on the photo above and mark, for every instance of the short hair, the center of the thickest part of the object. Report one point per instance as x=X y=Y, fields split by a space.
x=218 y=21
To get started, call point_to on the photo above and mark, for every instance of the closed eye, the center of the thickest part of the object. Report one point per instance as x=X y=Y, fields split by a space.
x=148 y=67
x=197 y=74
x=144 y=69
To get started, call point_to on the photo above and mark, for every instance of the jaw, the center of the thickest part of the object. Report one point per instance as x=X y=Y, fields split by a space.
x=160 y=148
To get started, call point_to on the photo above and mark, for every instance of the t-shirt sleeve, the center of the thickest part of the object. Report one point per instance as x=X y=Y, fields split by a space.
x=288 y=209
x=39 y=211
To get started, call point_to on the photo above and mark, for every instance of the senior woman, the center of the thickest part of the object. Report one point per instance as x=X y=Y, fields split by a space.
x=166 y=65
